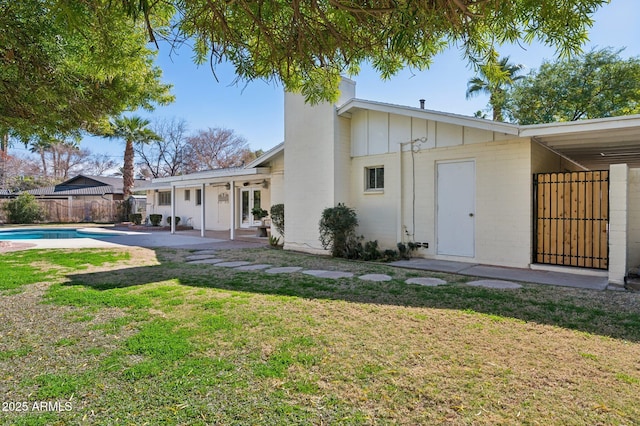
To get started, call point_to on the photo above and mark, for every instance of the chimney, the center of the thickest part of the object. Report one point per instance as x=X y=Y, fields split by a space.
x=421 y=103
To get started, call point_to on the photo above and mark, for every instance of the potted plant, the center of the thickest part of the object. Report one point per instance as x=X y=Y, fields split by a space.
x=259 y=213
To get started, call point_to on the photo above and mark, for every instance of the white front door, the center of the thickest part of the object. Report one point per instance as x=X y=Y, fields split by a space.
x=456 y=189
x=249 y=198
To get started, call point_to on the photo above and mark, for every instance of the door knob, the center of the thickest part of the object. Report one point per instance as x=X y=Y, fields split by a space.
x=470 y=214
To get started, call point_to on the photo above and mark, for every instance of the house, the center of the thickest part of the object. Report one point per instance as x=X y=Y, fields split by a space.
x=206 y=201
x=87 y=198
x=465 y=189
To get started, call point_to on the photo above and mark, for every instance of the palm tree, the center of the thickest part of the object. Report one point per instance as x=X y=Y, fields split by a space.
x=495 y=86
x=40 y=146
x=133 y=130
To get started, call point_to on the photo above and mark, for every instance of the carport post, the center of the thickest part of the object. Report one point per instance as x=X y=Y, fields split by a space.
x=202 y=210
x=232 y=203
x=173 y=209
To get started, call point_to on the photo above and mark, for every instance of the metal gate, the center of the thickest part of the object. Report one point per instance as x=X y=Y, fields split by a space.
x=571 y=216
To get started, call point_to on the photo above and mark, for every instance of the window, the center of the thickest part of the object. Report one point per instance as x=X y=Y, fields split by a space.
x=164 y=198
x=187 y=194
x=374 y=178
x=198 y=197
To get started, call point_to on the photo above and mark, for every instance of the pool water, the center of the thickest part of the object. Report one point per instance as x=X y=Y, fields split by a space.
x=51 y=234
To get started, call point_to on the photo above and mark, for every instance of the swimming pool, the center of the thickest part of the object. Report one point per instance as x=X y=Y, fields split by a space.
x=52 y=234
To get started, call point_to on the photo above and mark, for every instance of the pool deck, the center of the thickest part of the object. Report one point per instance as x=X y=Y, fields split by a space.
x=154 y=238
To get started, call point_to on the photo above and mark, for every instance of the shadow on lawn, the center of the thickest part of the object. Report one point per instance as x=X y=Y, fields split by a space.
x=611 y=314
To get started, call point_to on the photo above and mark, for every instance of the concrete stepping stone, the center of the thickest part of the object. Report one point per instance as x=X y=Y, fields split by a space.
x=203 y=252
x=209 y=261
x=328 y=274
x=375 y=277
x=283 y=270
x=495 y=284
x=427 y=282
x=233 y=264
x=257 y=267
x=199 y=256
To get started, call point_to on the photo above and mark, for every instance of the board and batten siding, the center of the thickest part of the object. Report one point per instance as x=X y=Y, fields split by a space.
x=375 y=133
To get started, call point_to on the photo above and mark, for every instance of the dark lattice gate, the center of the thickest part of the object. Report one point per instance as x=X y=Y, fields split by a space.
x=571 y=216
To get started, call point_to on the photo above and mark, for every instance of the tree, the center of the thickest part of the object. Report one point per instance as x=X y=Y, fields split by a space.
x=308 y=45
x=214 y=148
x=495 y=87
x=165 y=156
x=133 y=130
x=67 y=65
x=594 y=85
x=98 y=165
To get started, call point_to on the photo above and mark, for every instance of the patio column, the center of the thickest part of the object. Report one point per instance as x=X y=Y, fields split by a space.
x=173 y=209
x=232 y=203
x=202 y=210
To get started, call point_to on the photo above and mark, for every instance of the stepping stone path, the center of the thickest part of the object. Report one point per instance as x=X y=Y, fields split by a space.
x=427 y=282
x=375 y=277
x=234 y=264
x=328 y=274
x=199 y=257
x=207 y=257
x=283 y=270
x=253 y=267
x=495 y=284
x=210 y=261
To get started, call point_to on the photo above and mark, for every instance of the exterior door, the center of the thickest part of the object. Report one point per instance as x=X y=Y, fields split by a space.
x=249 y=198
x=456 y=201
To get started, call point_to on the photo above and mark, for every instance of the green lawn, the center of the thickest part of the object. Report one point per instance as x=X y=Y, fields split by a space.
x=139 y=337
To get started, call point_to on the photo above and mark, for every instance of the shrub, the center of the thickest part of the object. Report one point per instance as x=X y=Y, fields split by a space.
x=155 y=219
x=277 y=217
x=24 y=209
x=338 y=230
x=177 y=220
x=404 y=251
x=135 y=218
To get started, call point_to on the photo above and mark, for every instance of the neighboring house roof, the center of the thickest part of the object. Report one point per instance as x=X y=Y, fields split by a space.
x=82 y=185
x=5 y=193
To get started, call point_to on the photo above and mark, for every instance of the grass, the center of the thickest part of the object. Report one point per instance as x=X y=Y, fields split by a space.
x=146 y=338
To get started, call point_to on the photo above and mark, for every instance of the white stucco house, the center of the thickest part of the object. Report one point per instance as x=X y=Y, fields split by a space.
x=466 y=189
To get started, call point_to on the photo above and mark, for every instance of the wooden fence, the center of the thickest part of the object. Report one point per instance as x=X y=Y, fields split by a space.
x=571 y=218
x=77 y=210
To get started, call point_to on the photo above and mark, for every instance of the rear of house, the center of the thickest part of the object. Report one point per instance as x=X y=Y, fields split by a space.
x=462 y=187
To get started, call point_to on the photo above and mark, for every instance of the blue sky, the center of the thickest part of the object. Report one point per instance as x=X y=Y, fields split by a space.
x=255 y=110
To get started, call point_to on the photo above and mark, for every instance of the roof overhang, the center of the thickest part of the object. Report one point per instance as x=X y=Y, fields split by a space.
x=595 y=144
x=425 y=114
x=210 y=177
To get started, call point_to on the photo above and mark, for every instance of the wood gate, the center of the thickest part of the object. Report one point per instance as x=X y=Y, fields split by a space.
x=571 y=216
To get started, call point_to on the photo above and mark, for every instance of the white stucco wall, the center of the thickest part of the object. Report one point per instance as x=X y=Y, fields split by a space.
x=503 y=200
x=314 y=163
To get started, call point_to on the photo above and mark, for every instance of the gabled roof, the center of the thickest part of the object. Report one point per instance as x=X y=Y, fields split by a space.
x=266 y=156
x=426 y=114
